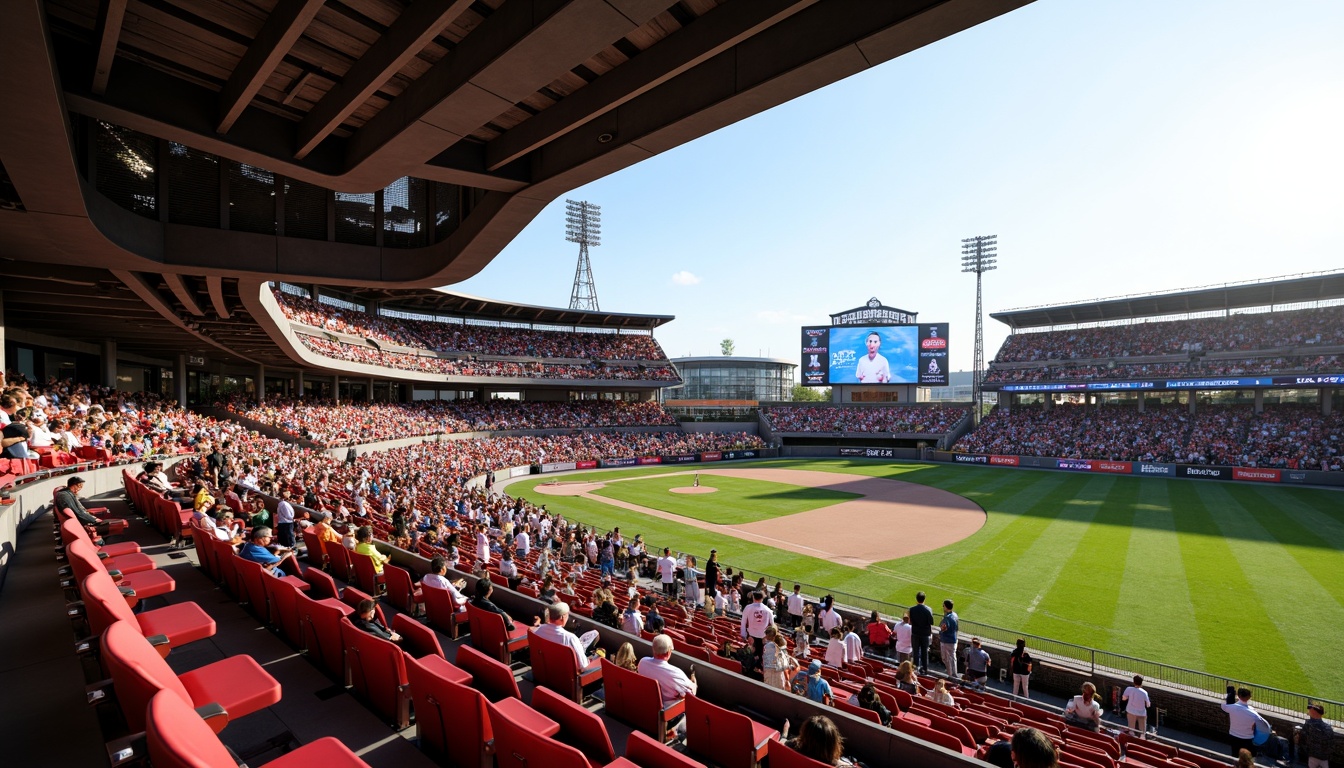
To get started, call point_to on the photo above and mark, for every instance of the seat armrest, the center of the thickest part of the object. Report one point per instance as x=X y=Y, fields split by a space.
x=126 y=591
x=214 y=715
x=115 y=574
x=102 y=555
x=99 y=691
x=87 y=645
x=127 y=750
x=74 y=609
x=160 y=643
x=676 y=709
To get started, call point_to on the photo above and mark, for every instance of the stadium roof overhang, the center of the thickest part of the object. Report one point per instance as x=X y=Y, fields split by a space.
x=1292 y=290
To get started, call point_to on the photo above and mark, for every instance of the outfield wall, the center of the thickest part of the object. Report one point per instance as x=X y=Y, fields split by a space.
x=1146 y=468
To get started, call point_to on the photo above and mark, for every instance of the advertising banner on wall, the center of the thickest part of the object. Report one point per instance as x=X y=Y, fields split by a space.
x=711 y=456
x=1154 y=470
x=1205 y=473
x=585 y=465
x=559 y=466
x=1005 y=461
x=1255 y=474
x=618 y=462
x=741 y=454
x=1293 y=476
x=869 y=453
x=1113 y=467
x=678 y=459
x=1076 y=465
x=970 y=458
x=649 y=460
x=519 y=471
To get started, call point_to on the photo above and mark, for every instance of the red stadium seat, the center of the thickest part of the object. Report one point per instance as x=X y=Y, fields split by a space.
x=637 y=701
x=554 y=666
x=364 y=576
x=442 y=613
x=71 y=530
x=520 y=743
x=283 y=598
x=451 y=719
x=647 y=753
x=315 y=553
x=179 y=624
x=177 y=738
x=323 y=585
x=491 y=677
x=784 y=756
x=725 y=738
x=237 y=686
x=401 y=591
x=860 y=712
x=115 y=558
x=377 y=672
x=83 y=563
x=341 y=565
x=490 y=636
x=579 y=728
x=417 y=640
x=321 y=622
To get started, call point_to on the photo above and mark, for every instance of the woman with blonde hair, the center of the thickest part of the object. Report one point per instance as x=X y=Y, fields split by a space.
x=625 y=658
x=940 y=694
x=906 y=679
x=777 y=665
x=1084 y=710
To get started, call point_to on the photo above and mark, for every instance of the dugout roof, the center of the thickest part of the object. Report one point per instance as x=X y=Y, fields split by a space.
x=1291 y=290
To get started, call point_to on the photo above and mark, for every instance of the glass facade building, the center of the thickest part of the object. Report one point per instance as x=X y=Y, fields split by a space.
x=733 y=379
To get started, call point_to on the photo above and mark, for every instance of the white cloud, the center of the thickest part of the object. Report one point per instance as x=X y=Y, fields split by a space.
x=685 y=278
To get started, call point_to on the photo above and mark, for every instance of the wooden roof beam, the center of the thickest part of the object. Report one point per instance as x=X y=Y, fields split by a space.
x=706 y=37
x=179 y=288
x=282 y=29
x=420 y=23
x=110 y=15
x=215 y=285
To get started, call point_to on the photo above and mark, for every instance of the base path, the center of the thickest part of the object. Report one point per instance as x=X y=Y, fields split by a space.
x=892 y=518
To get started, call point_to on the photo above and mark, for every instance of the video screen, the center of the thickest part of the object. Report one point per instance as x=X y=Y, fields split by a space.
x=881 y=354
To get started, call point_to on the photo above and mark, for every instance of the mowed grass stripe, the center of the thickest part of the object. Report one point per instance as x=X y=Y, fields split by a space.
x=1236 y=635
x=1080 y=600
x=1285 y=589
x=737 y=500
x=1310 y=538
x=1152 y=616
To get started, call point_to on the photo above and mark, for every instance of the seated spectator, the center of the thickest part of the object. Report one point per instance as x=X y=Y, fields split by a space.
x=366 y=618
x=868 y=699
x=1084 y=710
x=819 y=739
x=557 y=615
x=939 y=693
x=673 y=684
x=258 y=550
x=1032 y=749
x=364 y=546
x=625 y=658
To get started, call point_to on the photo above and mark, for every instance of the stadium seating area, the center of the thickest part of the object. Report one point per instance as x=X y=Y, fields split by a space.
x=1283 y=436
x=353 y=353
x=471 y=339
x=345 y=424
x=901 y=419
x=1244 y=332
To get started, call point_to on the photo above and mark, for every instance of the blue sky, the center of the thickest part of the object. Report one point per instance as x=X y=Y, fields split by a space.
x=1114 y=146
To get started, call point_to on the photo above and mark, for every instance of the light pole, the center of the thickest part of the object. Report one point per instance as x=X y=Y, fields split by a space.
x=979 y=255
x=583 y=225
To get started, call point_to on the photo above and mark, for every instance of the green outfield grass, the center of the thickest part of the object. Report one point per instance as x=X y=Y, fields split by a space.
x=1242 y=581
x=735 y=501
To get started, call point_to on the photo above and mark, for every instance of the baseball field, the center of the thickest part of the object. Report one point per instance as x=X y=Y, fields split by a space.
x=1237 y=580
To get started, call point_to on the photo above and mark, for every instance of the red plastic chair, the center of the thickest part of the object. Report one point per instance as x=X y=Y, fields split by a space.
x=341 y=564
x=647 y=753
x=177 y=624
x=417 y=640
x=377 y=672
x=492 y=678
x=283 y=598
x=554 y=666
x=784 y=756
x=321 y=624
x=442 y=613
x=931 y=735
x=579 y=728
x=727 y=739
x=490 y=636
x=83 y=563
x=860 y=712
x=323 y=585
x=316 y=554
x=401 y=591
x=519 y=742
x=113 y=556
x=637 y=701
x=177 y=738
x=452 y=720
x=71 y=529
x=364 y=575
x=231 y=688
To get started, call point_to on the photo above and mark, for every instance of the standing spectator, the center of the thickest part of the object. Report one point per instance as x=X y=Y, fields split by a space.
x=853 y=644
x=811 y=684
x=756 y=618
x=904 y=646
x=1136 y=707
x=1242 y=720
x=691 y=578
x=284 y=521
x=879 y=634
x=921 y=631
x=632 y=620
x=777 y=666
x=837 y=653
x=947 y=638
x=795 y=606
x=1020 y=663
x=667 y=573
x=1316 y=737
x=1084 y=710
x=977 y=664
x=829 y=617
x=712 y=579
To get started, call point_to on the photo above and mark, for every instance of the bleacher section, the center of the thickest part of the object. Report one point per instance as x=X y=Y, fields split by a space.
x=903 y=419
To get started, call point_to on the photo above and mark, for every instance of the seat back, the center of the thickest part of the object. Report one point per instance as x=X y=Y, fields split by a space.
x=439 y=609
x=364 y=576
x=317 y=556
x=341 y=566
x=578 y=726
x=784 y=756
x=83 y=559
x=321 y=626
x=177 y=737
x=103 y=602
x=490 y=676
x=416 y=639
x=451 y=720
x=518 y=747
x=950 y=725
x=377 y=670
x=252 y=589
x=633 y=699
x=206 y=550
x=353 y=597
x=554 y=666
x=866 y=714
x=283 y=598
x=732 y=665
x=228 y=573
x=488 y=633
x=138 y=672
x=400 y=587
x=921 y=731
x=323 y=585
x=647 y=753
x=723 y=737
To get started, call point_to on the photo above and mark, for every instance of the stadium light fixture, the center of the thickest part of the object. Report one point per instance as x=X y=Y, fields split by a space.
x=979 y=254
x=583 y=225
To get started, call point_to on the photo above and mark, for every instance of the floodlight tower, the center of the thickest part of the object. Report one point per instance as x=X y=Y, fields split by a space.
x=583 y=225
x=979 y=255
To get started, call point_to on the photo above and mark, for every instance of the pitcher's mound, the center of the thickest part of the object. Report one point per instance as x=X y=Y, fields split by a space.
x=693 y=489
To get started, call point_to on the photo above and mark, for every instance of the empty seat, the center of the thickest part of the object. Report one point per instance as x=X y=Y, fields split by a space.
x=451 y=719
x=637 y=701
x=647 y=753
x=579 y=728
x=316 y=554
x=321 y=624
x=235 y=686
x=126 y=562
x=176 y=738
x=76 y=531
x=442 y=613
x=323 y=585
x=416 y=639
x=520 y=743
x=179 y=624
x=784 y=756
x=726 y=738
x=83 y=562
x=283 y=598
x=401 y=591
x=492 y=677
x=377 y=672
x=554 y=666
x=489 y=635
x=340 y=564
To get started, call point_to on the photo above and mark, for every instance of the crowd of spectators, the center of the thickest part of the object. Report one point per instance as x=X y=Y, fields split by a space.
x=1198 y=367
x=1282 y=436
x=471 y=339
x=401 y=361
x=1270 y=330
x=897 y=419
x=331 y=424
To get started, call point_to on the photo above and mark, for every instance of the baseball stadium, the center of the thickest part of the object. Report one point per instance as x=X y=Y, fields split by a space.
x=315 y=503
